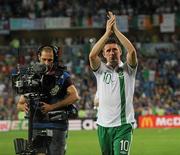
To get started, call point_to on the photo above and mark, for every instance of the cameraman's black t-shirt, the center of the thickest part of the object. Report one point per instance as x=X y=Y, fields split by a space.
x=54 y=91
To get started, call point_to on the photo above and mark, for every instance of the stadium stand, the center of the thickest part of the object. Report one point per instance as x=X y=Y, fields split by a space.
x=158 y=77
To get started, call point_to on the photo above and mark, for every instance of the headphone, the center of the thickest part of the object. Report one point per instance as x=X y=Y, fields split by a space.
x=55 y=50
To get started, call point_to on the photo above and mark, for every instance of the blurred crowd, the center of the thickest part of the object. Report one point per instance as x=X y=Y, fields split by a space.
x=84 y=8
x=158 y=78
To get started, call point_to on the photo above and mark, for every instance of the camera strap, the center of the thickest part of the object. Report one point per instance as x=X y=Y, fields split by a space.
x=57 y=115
x=63 y=78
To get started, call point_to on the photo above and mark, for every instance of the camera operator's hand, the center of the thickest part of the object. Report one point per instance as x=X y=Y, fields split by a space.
x=46 y=107
x=22 y=104
x=26 y=108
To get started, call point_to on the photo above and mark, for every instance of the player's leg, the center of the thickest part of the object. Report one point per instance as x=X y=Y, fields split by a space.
x=58 y=143
x=122 y=140
x=105 y=140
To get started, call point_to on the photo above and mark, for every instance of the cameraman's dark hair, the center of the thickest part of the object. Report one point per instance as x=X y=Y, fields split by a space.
x=55 y=50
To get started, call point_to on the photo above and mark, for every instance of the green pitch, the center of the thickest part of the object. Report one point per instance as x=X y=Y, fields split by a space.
x=145 y=142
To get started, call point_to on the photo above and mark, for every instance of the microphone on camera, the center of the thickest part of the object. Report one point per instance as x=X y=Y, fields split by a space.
x=39 y=68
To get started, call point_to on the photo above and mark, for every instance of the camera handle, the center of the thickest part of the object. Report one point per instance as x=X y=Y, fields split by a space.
x=30 y=100
x=22 y=146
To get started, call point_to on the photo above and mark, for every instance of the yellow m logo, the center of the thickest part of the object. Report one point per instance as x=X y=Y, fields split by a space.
x=147 y=122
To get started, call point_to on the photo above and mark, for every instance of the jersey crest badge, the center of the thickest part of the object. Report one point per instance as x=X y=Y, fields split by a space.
x=54 y=90
x=121 y=73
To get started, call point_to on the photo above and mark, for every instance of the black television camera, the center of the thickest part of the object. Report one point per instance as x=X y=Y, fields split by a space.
x=32 y=81
x=29 y=79
x=35 y=84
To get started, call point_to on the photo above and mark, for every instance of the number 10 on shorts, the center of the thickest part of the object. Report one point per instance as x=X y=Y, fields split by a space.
x=124 y=145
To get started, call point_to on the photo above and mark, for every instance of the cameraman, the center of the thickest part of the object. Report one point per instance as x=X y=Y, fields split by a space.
x=60 y=97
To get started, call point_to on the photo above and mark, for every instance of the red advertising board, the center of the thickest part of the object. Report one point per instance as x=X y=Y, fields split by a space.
x=76 y=124
x=167 y=121
x=4 y=125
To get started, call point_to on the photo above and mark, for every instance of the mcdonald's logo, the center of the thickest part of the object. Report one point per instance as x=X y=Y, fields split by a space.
x=146 y=122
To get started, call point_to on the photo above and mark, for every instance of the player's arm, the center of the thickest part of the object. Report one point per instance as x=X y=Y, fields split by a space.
x=94 y=58
x=131 y=57
x=131 y=51
x=96 y=99
x=22 y=104
x=96 y=102
x=71 y=97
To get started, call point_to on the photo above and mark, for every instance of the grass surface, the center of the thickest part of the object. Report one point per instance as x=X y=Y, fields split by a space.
x=145 y=142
